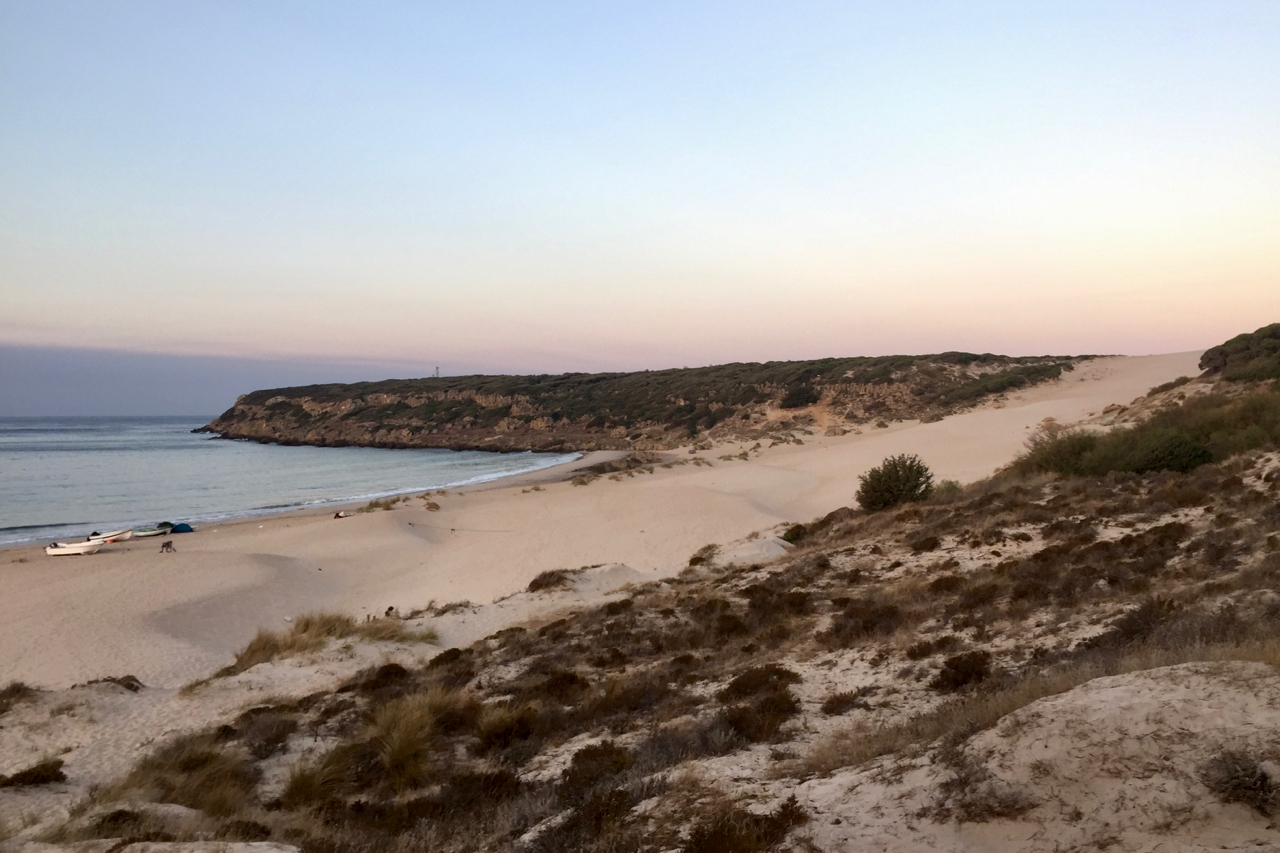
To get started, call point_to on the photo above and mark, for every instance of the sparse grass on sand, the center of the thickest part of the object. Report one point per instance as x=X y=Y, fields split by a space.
x=310 y=633
x=861 y=743
x=197 y=772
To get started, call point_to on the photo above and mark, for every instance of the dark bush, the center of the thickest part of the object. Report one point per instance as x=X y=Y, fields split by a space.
x=704 y=555
x=1136 y=625
x=924 y=543
x=846 y=701
x=1166 y=450
x=730 y=625
x=739 y=831
x=589 y=767
x=518 y=723
x=265 y=734
x=897 y=480
x=44 y=773
x=445 y=658
x=119 y=822
x=962 y=670
x=617 y=608
x=244 y=830
x=602 y=811
x=1234 y=777
x=863 y=617
x=553 y=579
x=564 y=687
x=464 y=792
x=922 y=649
x=389 y=675
x=624 y=696
x=944 y=584
x=14 y=692
x=761 y=679
x=760 y=719
x=795 y=533
x=1169 y=386
x=799 y=397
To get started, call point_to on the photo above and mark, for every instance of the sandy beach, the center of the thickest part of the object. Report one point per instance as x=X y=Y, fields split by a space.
x=171 y=618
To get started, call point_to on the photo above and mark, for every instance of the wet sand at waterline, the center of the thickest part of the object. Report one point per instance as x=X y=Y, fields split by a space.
x=171 y=618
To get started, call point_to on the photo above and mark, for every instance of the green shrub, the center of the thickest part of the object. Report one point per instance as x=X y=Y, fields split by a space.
x=948 y=491
x=1169 y=386
x=799 y=397
x=962 y=670
x=897 y=480
x=1206 y=429
x=1246 y=358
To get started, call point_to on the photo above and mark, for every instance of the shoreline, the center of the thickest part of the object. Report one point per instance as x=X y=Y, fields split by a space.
x=553 y=473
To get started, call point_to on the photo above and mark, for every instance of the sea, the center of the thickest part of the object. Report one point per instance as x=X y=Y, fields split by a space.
x=63 y=478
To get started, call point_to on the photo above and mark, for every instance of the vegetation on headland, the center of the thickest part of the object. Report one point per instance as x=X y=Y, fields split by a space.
x=1251 y=357
x=642 y=410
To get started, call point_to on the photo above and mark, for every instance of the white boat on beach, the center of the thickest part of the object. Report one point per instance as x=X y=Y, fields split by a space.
x=114 y=536
x=66 y=549
x=144 y=532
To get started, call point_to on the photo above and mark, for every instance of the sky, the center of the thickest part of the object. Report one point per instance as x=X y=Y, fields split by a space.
x=540 y=187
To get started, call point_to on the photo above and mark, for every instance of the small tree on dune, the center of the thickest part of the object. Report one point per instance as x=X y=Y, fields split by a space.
x=897 y=480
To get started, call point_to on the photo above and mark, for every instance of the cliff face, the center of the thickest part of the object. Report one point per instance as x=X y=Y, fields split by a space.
x=653 y=410
x=368 y=422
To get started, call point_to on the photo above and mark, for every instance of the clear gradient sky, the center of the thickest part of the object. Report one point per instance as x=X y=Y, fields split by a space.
x=545 y=186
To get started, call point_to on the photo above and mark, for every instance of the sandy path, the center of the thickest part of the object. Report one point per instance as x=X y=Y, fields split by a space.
x=171 y=618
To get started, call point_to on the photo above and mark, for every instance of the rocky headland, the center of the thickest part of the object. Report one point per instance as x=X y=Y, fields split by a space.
x=649 y=410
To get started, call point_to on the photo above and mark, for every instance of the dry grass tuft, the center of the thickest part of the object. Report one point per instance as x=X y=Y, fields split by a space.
x=312 y=631
x=196 y=772
x=397 y=751
x=403 y=732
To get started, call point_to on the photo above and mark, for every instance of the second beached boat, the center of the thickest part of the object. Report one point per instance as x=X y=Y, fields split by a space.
x=68 y=549
x=114 y=536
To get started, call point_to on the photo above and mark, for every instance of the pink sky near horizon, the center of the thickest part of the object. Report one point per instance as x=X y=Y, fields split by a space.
x=515 y=188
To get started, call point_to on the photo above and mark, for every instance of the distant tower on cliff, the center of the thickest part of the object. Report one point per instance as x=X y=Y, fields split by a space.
x=437 y=371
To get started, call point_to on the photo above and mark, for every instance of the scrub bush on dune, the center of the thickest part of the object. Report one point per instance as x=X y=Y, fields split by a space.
x=897 y=480
x=1206 y=429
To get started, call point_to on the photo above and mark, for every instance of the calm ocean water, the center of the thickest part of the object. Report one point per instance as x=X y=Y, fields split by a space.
x=65 y=477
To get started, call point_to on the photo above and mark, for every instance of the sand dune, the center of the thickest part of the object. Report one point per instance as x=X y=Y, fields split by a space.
x=169 y=618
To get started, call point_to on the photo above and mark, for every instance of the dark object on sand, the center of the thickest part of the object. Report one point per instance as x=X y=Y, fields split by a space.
x=44 y=773
x=182 y=527
x=166 y=547
x=128 y=682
